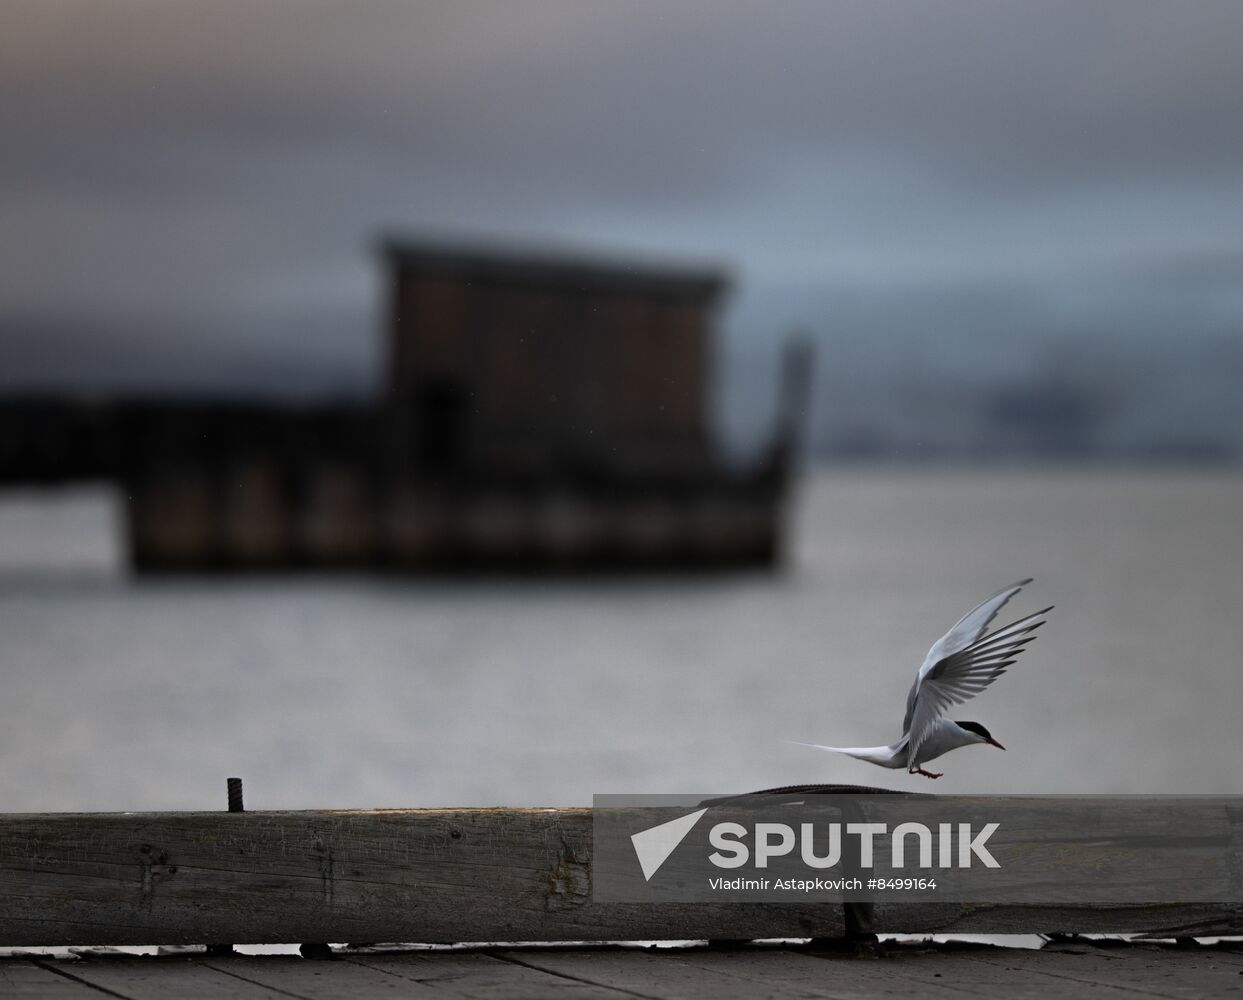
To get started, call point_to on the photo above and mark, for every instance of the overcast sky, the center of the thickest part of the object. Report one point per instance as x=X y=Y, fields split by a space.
x=191 y=191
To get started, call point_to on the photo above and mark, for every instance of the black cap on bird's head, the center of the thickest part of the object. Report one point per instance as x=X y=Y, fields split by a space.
x=984 y=735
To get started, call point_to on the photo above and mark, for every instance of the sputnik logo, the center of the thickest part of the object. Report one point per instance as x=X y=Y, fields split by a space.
x=654 y=845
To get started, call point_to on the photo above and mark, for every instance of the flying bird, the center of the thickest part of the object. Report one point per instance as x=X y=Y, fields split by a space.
x=960 y=665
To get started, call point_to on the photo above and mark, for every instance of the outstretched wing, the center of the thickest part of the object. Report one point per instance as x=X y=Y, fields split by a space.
x=970 y=626
x=963 y=662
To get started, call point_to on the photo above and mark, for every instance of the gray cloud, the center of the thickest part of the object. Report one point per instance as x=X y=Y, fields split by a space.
x=183 y=182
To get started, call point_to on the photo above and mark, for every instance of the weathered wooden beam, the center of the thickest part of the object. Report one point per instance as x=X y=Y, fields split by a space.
x=426 y=875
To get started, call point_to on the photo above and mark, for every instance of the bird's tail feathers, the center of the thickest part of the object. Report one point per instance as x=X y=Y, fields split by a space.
x=874 y=755
x=821 y=746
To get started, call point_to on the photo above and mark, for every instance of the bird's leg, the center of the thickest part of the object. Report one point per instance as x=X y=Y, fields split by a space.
x=927 y=774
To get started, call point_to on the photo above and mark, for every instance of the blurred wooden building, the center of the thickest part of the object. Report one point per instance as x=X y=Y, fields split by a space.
x=540 y=411
x=526 y=367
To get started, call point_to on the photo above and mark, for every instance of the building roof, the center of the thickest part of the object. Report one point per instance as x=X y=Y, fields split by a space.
x=564 y=267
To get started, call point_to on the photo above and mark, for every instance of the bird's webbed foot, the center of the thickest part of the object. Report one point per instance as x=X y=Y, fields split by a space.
x=926 y=774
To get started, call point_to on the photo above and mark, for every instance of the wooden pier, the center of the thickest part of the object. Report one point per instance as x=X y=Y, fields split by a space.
x=540 y=413
x=448 y=878
x=434 y=876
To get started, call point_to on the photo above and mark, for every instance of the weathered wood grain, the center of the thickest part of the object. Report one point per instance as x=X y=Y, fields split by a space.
x=435 y=976
x=1190 y=974
x=603 y=973
x=20 y=978
x=163 y=979
x=706 y=975
x=425 y=875
x=433 y=875
x=480 y=975
x=316 y=980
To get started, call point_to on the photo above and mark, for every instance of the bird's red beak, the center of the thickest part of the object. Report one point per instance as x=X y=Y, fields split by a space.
x=995 y=743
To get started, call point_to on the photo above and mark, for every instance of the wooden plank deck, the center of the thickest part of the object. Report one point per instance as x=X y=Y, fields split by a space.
x=603 y=973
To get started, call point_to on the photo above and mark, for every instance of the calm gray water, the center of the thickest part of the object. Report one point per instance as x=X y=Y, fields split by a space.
x=359 y=692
